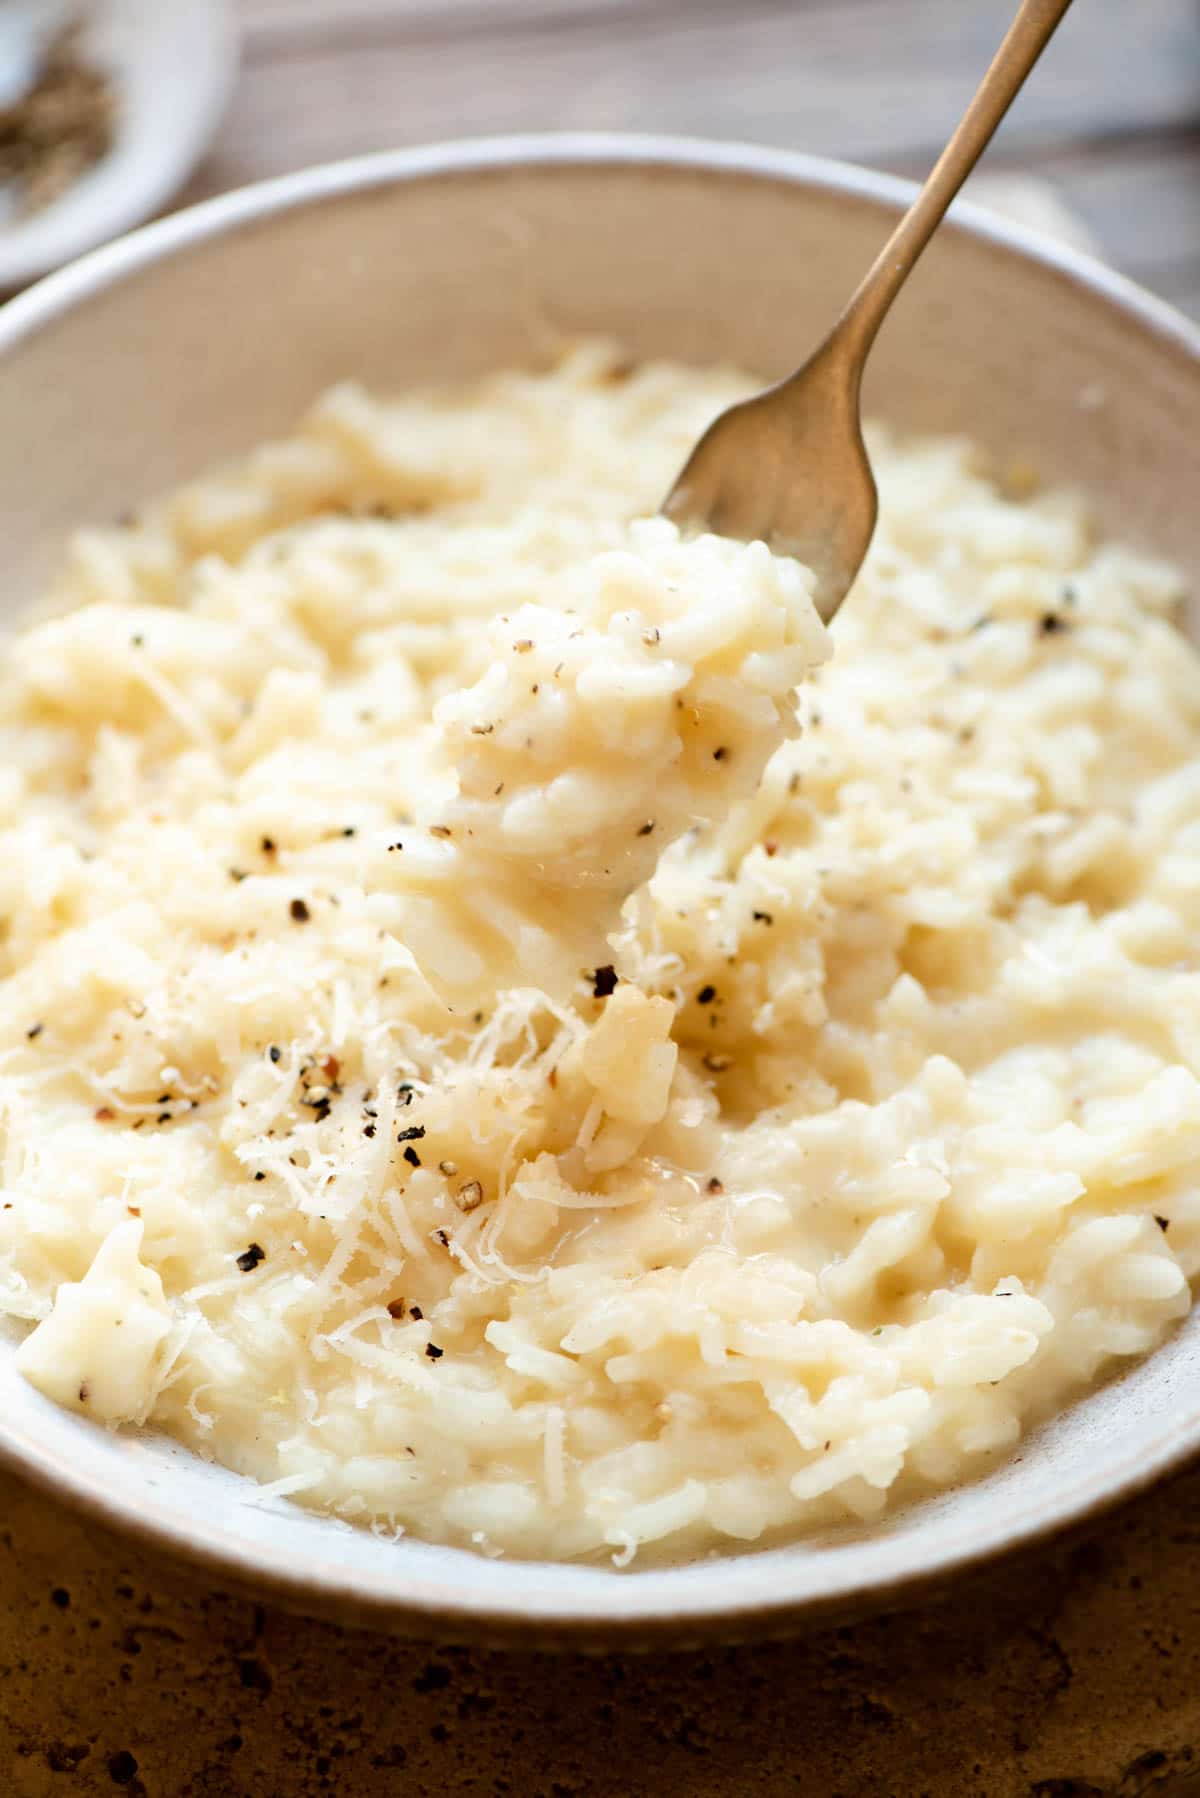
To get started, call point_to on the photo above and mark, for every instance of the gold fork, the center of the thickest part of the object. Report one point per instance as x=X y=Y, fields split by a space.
x=789 y=465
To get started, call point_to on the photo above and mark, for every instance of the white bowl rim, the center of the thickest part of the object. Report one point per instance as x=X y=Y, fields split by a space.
x=669 y=1604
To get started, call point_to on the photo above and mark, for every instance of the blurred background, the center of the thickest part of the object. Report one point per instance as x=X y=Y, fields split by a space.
x=1104 y=145
x=1110 y=121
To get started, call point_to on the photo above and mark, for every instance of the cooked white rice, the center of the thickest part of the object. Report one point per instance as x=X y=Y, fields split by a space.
x=346 y=1164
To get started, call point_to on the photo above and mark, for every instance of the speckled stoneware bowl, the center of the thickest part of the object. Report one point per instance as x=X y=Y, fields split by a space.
x=203 y=334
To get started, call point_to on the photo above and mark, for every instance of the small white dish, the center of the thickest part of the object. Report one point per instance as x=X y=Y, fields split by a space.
x=172 y=64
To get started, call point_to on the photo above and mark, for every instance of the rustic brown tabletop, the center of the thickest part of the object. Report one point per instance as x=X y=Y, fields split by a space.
x=1074 y=1676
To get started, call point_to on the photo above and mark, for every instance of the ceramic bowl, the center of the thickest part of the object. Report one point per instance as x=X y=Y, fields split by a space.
x=205 y=333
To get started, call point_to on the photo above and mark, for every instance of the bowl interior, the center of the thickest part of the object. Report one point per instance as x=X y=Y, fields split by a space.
x=206 y=334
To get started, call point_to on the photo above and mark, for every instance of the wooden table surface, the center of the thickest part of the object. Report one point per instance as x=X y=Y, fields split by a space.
x=1074 y=1676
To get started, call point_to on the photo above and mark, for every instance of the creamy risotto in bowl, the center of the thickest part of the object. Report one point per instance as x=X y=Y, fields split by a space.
x=512 y=1033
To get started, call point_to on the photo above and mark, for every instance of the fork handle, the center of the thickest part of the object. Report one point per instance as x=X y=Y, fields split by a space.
x=867 y=308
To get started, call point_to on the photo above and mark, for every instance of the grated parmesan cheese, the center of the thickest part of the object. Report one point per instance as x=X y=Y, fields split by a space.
x=386 y=1112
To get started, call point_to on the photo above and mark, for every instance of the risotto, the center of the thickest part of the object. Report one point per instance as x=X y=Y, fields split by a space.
x=511 y=1032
